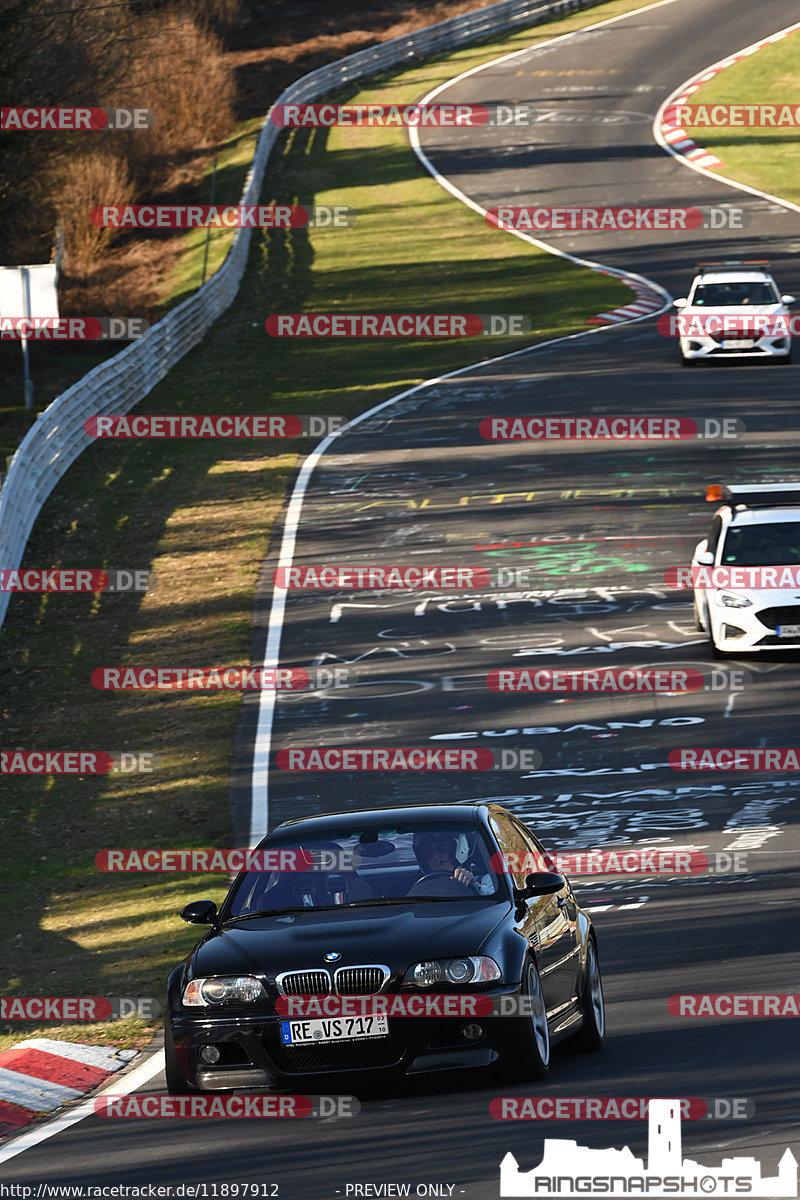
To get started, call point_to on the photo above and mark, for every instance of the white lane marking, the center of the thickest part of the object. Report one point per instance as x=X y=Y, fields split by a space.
x=119 y=1087
x=693 y=82
x=413 y=137
x=259 y=803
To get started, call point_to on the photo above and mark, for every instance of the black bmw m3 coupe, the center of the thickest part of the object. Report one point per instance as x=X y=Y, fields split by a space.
x=385 y=942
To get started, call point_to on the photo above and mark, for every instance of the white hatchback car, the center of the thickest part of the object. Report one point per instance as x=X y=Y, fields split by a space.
x=738 y=288
x=755 y=529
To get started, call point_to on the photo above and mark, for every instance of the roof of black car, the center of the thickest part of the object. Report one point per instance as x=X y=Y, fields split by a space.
x=422 y=814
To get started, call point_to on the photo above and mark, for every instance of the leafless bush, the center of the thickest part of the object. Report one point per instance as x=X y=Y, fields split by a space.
x=178 y=71
x=81 y=183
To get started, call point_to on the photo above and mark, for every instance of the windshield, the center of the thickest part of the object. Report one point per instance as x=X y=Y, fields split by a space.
x=724 y=295
x=775 y=545
x=370 y=865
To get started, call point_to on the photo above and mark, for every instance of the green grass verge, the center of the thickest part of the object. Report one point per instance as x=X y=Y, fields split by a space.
x=766 y=158
x=200 y=513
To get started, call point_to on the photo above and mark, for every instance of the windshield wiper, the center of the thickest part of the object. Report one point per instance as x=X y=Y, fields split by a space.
x=379 y=900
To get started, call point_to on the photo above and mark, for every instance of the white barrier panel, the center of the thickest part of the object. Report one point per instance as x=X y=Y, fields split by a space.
x=55 y=441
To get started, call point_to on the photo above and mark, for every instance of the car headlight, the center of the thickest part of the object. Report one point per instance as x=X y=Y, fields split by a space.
x=223 y=989
x=478 y=969
x=733 y=600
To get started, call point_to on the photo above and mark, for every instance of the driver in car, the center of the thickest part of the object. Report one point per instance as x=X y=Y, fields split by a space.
x=445 y=853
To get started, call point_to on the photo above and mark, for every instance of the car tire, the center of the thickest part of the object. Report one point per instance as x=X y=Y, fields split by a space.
x=532 y=1052
x=177 y=1084
x=698 y=624
x=592 y=1032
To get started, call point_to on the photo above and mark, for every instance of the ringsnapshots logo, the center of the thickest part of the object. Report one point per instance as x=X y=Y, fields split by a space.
x=535 y=219
x=235 y=216
x=75 y=579
x=156 y=1106
x=397 y=325
x=74 y=120
x=78 y=1008
x=72 y=329
x=401 y=116
x=609 y=429
x=220 y=426
x=568 y=1171
x=406 y=758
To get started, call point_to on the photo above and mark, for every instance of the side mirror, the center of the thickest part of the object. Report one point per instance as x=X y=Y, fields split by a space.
x=787 y=300
x=679 y=303
x=200 y=912
x=705 y=558
x=541 y=883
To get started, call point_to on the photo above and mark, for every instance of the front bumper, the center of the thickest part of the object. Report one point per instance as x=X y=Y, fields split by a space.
x=698 y=348
x=252 y=1056
x=754 y=628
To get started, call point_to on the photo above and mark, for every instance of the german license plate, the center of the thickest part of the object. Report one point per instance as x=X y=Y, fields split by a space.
x=737 y=344
x=788 y=631
x=333 y=1029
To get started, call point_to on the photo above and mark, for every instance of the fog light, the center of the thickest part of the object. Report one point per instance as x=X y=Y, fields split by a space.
x=732 y=631
x=209 y=1054
x=472 y=1033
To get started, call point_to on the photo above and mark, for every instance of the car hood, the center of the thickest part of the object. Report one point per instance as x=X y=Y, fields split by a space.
x=390 y=935
x=734 y=309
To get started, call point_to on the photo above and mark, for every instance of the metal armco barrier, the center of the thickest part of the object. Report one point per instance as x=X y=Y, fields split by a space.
x=52 y=445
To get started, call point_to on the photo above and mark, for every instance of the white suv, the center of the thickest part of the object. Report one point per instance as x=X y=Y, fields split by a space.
x=757 y=528
x=734 y=288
